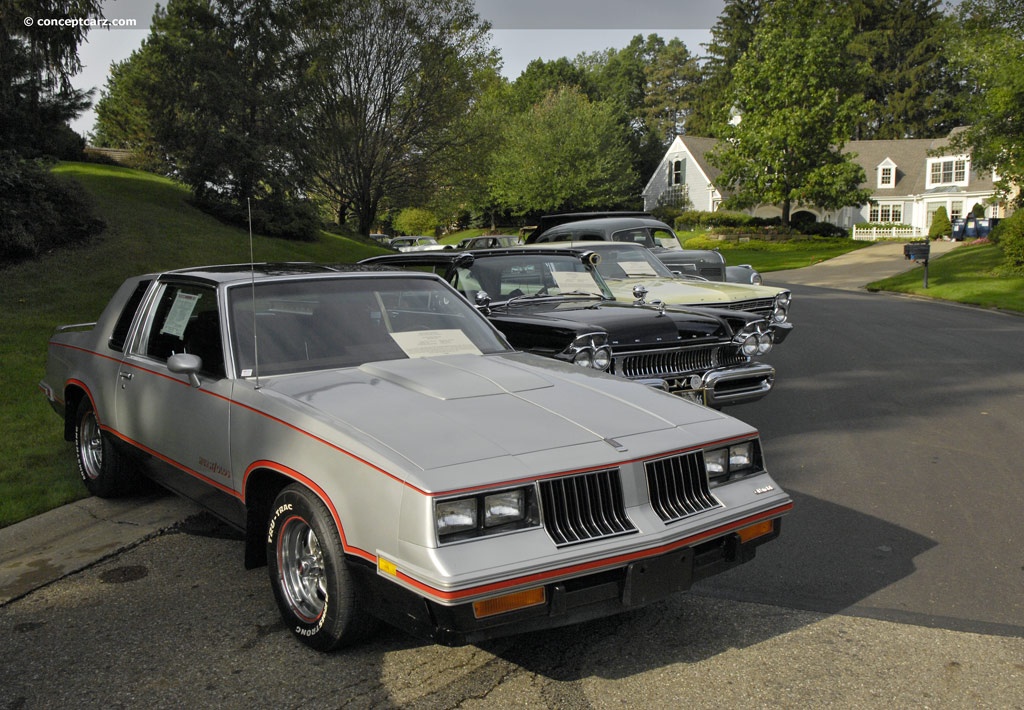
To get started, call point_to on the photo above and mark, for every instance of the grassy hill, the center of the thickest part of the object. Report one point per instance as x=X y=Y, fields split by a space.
x=150 y=226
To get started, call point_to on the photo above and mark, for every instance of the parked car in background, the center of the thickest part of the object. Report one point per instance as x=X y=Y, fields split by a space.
x=417 y=244
x=488 y=242
x=640 y=228
x=633 y=273
x=388 y=455
x=553 y=302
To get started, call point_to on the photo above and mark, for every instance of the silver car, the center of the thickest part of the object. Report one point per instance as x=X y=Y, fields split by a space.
x=389 y=457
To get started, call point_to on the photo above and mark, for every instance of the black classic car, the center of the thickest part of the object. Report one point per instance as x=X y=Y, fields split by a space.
x=641 y=228
x=553 y=302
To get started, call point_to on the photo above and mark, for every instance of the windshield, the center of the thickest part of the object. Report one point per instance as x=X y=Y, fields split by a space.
x=621 y=262
x=315 y=324
x=516 y=276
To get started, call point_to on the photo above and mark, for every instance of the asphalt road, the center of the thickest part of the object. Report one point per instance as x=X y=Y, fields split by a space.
x=898 y=427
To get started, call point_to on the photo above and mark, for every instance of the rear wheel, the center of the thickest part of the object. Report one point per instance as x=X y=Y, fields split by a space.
x=313 y=585
x=104 y=470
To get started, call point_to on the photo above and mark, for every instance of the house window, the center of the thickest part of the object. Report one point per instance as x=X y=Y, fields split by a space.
x=887 y=213
x=956 y=210
x=948 y=172
x=677 y=175
x=885 y=180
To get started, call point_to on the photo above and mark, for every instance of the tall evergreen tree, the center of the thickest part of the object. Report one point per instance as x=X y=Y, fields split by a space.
x=794 y=89
x=37 y=64
x=730 y=38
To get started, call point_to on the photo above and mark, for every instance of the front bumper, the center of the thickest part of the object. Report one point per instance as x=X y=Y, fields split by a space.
x=565 y=602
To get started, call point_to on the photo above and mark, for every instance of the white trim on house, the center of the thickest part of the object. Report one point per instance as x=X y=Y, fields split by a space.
x=909 y=180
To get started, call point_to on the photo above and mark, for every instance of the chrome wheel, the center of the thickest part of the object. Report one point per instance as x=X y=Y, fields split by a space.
x=90 y=445
x=300 y=560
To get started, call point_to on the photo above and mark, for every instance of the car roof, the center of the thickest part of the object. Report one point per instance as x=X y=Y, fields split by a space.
x=608 y=223
x=229 y=273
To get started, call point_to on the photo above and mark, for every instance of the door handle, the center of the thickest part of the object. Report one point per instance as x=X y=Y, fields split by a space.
x=125 y=375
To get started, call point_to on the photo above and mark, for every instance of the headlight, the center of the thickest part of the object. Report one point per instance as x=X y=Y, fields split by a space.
x=485 y=513
x=764 y=343
x=733 y=461
x=749 y=345
x=590 y=350
x=781 y=310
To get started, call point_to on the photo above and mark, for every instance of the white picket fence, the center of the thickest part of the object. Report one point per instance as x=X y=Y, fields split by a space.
x=896 y=231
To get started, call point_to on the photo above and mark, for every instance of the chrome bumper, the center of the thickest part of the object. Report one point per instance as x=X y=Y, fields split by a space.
x=736 y=385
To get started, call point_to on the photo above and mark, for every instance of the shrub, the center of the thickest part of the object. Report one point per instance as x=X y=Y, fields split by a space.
x=941 y=226
x=822 y=229
x=1010 y=235
x=39 y=211
x=417 y=221
x=272 y=216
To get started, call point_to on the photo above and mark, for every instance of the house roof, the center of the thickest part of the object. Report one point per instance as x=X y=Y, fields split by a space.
x=910 y=156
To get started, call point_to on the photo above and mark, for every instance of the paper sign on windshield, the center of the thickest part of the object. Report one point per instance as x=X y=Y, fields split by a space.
x=637 y=268
x=569 y=281
x=434 y=343
x=181 y=311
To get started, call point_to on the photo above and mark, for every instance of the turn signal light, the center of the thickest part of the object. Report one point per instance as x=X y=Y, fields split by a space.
x=509 y=602
x=766 y=527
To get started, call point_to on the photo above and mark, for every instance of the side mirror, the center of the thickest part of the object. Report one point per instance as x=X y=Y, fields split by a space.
x=186 y=364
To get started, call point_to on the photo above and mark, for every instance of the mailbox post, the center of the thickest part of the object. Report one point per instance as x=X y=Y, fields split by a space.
x=918 y=251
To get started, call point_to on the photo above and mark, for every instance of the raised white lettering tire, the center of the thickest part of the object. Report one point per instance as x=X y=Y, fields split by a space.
x=312 y=584
x=104 y=469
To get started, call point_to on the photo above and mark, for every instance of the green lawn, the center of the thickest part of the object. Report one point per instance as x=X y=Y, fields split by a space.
x=150 y=226
x=768 y=256
x=968 y=274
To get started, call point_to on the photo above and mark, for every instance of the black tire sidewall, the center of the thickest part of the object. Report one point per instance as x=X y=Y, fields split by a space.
x=334 y=626
x=105 y=483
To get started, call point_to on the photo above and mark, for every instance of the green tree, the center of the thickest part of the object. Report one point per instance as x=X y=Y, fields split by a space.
x=416 y=221
x=37 y=64
x=566 y=153
x=731 y=35
x=122 y=112
x=991 y=51
x=910 y=90
x=672 y=79
x=793 y=92
x=385 y=84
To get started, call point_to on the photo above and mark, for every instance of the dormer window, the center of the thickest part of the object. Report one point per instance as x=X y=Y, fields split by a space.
x=887 y=174
x=677 y=172
x=947 y=171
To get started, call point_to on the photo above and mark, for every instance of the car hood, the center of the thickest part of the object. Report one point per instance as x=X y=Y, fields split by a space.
x=438 y=412
x=680 y=291
x=625 y=324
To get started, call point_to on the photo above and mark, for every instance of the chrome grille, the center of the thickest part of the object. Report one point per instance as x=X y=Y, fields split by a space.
x=585 y=507
x=679 y=486
x=659 y=363
x=760 y=306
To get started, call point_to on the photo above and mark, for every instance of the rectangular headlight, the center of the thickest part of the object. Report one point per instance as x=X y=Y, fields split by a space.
x=733 y=461
x=485 y=513
x=455 y=516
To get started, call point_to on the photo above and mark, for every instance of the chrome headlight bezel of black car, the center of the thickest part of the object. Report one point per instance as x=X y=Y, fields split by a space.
x=780 y=311
x=754 y=340
x=590 y=350
x=734 y=461
x=483 y=513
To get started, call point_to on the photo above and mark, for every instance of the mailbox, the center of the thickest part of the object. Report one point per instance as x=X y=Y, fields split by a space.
x=917 y=251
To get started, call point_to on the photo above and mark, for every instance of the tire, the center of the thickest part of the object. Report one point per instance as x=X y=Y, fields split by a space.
x=313 y=586
x=104 y=470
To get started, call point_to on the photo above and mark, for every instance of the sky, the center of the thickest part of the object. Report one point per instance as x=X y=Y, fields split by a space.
x=522 y=30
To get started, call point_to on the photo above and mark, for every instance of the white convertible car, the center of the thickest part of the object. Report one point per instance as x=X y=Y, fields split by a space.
x=389 y=456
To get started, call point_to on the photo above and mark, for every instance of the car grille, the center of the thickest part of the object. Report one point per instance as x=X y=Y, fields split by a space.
x=761 y=306
x=668 y=363
x=584 y=507
x=678 y=487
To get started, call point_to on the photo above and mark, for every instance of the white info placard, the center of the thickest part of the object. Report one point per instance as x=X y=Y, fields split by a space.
x=637 y=268
x=433 y=343
x=181 y=311
x=570 y=281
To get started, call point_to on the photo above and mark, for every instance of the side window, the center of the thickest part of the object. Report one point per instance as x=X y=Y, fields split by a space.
x=124 y=321
x=186 y=320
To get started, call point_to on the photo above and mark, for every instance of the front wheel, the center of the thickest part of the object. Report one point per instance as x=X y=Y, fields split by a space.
x=104 y=470
x=313 y=586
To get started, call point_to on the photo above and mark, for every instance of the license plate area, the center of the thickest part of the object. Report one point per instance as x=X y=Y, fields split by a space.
x=657 y=577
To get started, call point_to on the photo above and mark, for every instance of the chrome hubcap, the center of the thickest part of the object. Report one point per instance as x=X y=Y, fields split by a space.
x=90 y=446
x=301 y=563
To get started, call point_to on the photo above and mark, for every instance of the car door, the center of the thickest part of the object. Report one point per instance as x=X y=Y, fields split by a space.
x=184 y=428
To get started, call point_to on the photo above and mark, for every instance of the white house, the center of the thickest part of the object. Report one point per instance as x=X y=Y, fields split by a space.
x=909 y=180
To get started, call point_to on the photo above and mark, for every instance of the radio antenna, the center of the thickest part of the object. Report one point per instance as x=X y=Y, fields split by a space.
x=252 y=281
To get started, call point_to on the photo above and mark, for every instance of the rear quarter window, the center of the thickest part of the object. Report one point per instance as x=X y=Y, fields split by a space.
x=124 y=321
